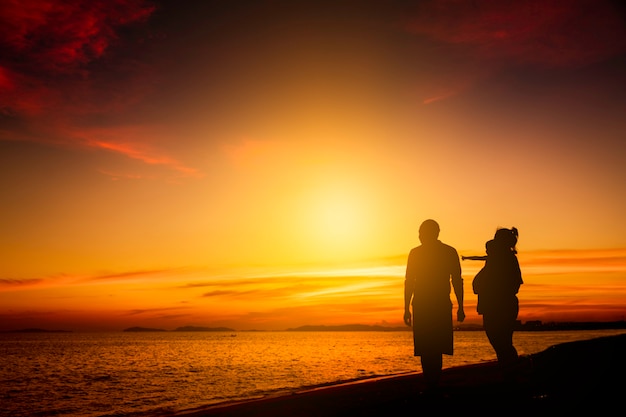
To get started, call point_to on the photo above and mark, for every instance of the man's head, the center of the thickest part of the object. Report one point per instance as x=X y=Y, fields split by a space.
x=429 y=231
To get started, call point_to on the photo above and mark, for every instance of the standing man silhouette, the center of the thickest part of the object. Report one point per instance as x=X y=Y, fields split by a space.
x=431 y=267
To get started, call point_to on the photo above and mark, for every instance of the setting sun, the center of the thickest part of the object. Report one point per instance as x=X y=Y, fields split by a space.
x=339 y=216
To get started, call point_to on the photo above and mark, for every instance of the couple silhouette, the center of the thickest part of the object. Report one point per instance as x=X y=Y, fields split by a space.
x=431 y=268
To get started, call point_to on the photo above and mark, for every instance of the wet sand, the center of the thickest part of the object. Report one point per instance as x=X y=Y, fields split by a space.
x=570 y=378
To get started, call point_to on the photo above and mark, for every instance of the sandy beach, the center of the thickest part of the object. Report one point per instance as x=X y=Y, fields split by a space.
x=553 y=382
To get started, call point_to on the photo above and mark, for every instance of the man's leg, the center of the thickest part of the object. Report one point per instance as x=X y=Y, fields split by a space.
x=432 y=364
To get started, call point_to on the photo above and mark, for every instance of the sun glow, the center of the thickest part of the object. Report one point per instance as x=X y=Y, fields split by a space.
x=339 y=216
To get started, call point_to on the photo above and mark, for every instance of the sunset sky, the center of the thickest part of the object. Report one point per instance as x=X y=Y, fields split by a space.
x=267 y=164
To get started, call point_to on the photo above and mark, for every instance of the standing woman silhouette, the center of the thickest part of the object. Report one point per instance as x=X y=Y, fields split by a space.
x=497 y=285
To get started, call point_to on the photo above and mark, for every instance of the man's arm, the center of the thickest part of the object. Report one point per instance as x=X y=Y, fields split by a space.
x=458 y=291
x=409 y=287
x=457 y=284
x=408 y=295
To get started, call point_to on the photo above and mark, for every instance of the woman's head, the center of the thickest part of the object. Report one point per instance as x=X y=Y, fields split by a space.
x=507 y=238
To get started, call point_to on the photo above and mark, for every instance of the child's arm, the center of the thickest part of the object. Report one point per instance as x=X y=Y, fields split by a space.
x=475 y=258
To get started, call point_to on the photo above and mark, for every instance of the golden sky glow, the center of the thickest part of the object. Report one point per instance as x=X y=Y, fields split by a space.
x=268 y=166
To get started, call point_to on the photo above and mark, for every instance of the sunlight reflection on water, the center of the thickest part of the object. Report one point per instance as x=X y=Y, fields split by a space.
x=119 y=373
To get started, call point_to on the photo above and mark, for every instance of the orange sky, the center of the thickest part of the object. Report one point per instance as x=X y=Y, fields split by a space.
x=267 y=165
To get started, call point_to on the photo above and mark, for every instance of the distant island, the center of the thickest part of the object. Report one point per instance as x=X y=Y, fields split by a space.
x=143 y=329
x=537 y=325
x=37 y=330
x=181 y=329
x=529 y=326
x=203 y=329
x=348 y=328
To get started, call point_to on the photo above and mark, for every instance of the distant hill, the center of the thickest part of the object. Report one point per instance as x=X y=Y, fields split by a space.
x=536 y=326
x=36 y=330
x=143 y=329
x=203 y=329
x=348 y=328
x=181 y=329
x=530 y=326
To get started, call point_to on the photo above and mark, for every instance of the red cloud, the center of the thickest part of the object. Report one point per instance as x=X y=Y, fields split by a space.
x=60 y=36
x=551 y=33
x=492 y=35
x=47 y=44
x=53 y=73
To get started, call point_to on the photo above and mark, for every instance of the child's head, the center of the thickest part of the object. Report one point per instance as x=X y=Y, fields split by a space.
x=490 y=246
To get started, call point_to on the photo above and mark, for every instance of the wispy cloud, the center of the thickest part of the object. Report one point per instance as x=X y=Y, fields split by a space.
x=229 y=293
x=151 y=311
x=222 y=283
x=130 y=275
x=65 y=280
x=563 y=284
x=15 y=283
x=133 y=142
x=115 y=176
x=572 y=261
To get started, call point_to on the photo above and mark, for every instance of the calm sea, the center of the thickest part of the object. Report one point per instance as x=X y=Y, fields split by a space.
x=120 y=374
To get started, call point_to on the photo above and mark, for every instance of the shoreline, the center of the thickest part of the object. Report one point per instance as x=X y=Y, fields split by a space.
x=562 y=378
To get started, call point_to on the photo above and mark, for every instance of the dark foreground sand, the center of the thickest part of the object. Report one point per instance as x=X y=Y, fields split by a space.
x=567 y=379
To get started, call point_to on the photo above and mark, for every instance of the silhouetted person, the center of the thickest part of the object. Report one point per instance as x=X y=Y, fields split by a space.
x=430 y=269
x=497 y=285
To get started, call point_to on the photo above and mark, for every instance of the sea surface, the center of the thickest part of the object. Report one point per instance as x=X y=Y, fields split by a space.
x=124 y=374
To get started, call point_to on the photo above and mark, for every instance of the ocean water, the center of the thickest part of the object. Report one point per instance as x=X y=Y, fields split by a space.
x=125 y=374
